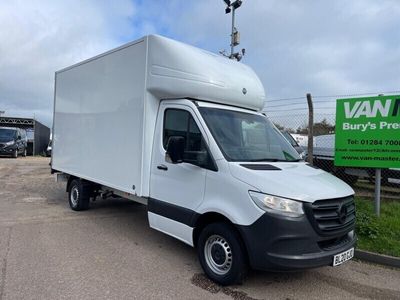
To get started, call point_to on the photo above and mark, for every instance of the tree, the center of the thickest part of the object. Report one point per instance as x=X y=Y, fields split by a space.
x=302 y=129
x=320 y=128
x=279 y=126
x=283 y=128
x=323 y=127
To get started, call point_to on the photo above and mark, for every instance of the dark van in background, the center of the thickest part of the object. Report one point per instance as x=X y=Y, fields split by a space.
x=13 y=141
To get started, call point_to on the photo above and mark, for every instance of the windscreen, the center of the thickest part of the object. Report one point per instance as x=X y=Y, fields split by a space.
x=290 y=139
x=7 y=135
x=247 y=137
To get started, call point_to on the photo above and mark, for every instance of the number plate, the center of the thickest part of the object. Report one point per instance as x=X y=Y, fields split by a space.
x=340 y=258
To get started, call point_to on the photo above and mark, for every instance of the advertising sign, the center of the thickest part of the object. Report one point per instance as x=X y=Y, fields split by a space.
x=368 y=132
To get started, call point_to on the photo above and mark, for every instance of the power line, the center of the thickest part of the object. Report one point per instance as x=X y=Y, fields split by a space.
x=287 y=105
x=295 y=109
x=332 y=96
x=291 y=104
x=285 y=99
x=303 y=103
x=298 y=115
x=281 y=105
x=355 y=95
x=285 y=116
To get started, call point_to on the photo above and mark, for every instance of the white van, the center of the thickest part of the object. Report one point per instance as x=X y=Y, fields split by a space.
x=180 y=130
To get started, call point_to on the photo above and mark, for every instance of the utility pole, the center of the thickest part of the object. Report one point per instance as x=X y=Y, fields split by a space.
x=235 y=35
x=310 y=146
x=232 y=34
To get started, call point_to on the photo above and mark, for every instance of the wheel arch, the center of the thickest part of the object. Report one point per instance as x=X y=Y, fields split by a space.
x=213 y=217
x=70 y=179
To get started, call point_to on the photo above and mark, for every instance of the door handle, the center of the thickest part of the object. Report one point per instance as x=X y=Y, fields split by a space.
x=162 y=167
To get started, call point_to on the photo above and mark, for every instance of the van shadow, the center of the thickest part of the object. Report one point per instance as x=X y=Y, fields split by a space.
x=131 y=222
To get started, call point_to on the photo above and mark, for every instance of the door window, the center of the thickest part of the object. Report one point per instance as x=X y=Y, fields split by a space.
x=178 y=122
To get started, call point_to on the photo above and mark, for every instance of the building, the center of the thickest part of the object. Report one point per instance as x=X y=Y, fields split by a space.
x=37 y=133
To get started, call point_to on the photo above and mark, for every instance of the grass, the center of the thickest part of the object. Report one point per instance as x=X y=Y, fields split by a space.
x=378 y=234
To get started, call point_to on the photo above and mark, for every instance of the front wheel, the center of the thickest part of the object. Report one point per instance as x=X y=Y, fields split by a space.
x=222 y=254
x=15 y=153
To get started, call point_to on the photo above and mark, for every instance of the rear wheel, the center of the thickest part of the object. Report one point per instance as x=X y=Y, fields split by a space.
x=24 y=153
x=79 y=195
x=221 y=254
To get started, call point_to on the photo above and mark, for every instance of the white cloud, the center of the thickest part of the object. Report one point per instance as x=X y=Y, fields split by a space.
x=322 y=47
x=307 y=46
x=40 y=37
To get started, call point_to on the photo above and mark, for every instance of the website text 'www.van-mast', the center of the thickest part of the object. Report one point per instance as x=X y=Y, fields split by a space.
x=375 y=158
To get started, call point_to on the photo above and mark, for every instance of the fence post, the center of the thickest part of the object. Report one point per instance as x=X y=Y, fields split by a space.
x=378 y=180
x=310 y=147
x=378 y=192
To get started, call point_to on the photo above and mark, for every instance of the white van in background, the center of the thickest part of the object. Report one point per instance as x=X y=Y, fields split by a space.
x=185 y=137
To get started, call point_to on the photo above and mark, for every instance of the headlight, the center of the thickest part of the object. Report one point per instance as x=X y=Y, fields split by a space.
x=277 y=205
x=10 y=143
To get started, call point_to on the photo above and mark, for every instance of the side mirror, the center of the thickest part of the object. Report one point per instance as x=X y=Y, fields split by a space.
x=19 y=137
x=175 y=149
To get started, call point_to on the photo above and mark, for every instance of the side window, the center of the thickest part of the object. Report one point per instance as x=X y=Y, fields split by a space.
x=175 y=123
x=178 y=122
x=181 y=123
x=195 y=140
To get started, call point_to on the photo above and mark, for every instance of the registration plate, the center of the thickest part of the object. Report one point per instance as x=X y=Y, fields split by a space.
x=340 y=258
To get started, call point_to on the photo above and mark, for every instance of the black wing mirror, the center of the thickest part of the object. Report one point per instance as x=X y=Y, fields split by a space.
x=175 y=149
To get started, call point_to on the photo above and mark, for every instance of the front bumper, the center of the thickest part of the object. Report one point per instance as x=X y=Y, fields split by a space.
x=279 y=243
x=8 y=150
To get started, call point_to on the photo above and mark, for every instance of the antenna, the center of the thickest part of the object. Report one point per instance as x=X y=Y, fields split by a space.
x=231 y=7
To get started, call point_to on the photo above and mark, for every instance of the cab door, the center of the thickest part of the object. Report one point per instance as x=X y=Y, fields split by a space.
x=176 y=189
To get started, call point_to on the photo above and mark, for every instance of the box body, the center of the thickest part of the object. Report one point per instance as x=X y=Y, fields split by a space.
x=105 y=108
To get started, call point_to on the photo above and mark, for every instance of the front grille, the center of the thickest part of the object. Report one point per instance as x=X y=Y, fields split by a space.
x=332 y=216
x=335 y=243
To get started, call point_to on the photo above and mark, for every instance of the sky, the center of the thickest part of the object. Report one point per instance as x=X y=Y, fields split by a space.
x=325 y=48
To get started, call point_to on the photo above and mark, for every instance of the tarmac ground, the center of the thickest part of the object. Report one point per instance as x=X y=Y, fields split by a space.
x=48 y=251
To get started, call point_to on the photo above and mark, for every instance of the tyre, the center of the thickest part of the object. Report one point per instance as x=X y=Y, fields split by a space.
x=79 y=195
x=15 y=153
x=221 y=254
x=24 y=153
